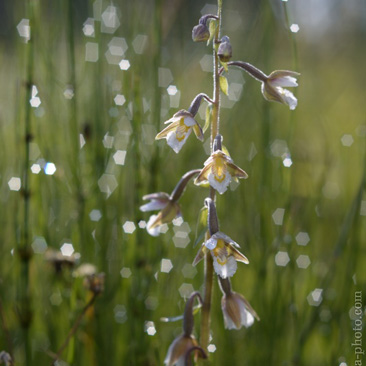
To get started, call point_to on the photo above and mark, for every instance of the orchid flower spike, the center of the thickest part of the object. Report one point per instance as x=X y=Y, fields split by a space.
x=218 y=171
x=180 y=127
x=236 y=309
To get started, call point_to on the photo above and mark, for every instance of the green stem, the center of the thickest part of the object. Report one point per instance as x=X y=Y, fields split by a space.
x=208 y=275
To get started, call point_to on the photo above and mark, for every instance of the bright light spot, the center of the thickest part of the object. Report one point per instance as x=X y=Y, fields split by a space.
x=347 y=140
x=110 y=20
x=163 y=228
x=39 y=245
x=119 y=157
x=108 y=141
x=342 y=363
x=185 y=290
x=95 y=215
x=81 y=140
x=278 y=215
x=125 y=272
x=34 y=91
x=117 y=46
x=49 y=168
x=35 y=168
x=142 y=224
x=181 y=242
x=178 y=221
x=315 y=297
x=189 y=271
x=69 y=92
x=88 y=27
x=91 y=52
x=129 y=227
x=279 y=148
x=282 y=259
x=67 y=249
x=287 y=161
x=107 y=184
x=302 y=238
x=24 y=29
x=166 y=265
x=35 y=102
x=139 y=43
x=165 y=77
x=172 y=90
x=124 y=65
x=294 y=28
x=14 y=184
x=150 y=328
x=119 y=99
x=211 y=348
x=303 y=261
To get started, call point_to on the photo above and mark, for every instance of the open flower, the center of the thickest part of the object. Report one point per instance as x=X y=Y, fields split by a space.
x=180 y=127
x=169 y=210
x=178 y=350
x=273 y=87
x=224 y=253
x=235 y=308
x=218 y=170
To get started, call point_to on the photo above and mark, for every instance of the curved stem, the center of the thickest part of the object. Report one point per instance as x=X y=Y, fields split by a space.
x=180 y=187
x=250 y=69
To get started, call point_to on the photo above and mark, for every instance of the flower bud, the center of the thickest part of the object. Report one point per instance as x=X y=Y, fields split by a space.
x=200 y=33
x=225 y=50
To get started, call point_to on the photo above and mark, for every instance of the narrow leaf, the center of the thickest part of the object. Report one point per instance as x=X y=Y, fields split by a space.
x=212 y=29
x=208 y=118
x=224 y=85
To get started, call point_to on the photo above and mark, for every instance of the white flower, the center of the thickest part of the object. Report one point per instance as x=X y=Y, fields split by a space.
x=273 y=87
x=169 y=210
x=237 y=311
x=180 y=127
x=218 y=171
x=224 y=254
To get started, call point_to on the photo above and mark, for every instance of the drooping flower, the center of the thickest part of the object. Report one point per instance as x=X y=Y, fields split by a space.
x=180 y=127
x=218 y=171
x=273 y=87
x=178 y=350
x=169 y=210
x=224 y=253
x=235 y=308
x=225 y=51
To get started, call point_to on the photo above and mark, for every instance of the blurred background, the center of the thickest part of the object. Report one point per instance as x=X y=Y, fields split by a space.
x=86 y=85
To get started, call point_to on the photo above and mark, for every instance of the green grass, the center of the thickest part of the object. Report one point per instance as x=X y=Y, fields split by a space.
x=321 y=192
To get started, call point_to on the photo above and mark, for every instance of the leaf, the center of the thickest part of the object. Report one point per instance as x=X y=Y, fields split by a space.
x=224 y=85
x=208 y=118
x=212 y=29
x=225 y=150
x=201 y=226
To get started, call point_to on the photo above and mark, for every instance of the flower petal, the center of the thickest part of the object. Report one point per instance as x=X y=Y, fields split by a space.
x=220 y=187
x=198 y=131
x=235 y=171
x=164 y=133
x=226 y=269
x=155 y=231
x=200 y=255
x=174 y=143
x=203 y=176
x=153 y=205
x=211 y=243
x=225 y=238
x=240 y=257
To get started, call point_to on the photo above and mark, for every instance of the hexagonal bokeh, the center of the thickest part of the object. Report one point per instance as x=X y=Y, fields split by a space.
x=67 y=249
x=125 y=272
x=206 y=63
x=107 y=184
x=302 y=238
x=124 y=65
x=110 y=20
x=278 y=215
x=166 y=265
x=24 y=29
x=139 y=43
x=282 y=259
x=129 y=227
x=189 y=271
x=39 y=245
x=165 y=77
x=185 y=290
x=315 y=297
x=95 y=215
x=150 y=328
x=119 y=157
x=14 y=184
x=303 y=261
x=119 y=99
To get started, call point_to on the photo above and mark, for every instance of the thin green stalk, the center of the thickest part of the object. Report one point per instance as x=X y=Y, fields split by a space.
x=208 y=274
x=24 y=251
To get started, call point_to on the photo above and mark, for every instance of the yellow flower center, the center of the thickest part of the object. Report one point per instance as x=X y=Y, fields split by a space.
x=219 y=169
x=220 y=252
x=181 y=130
